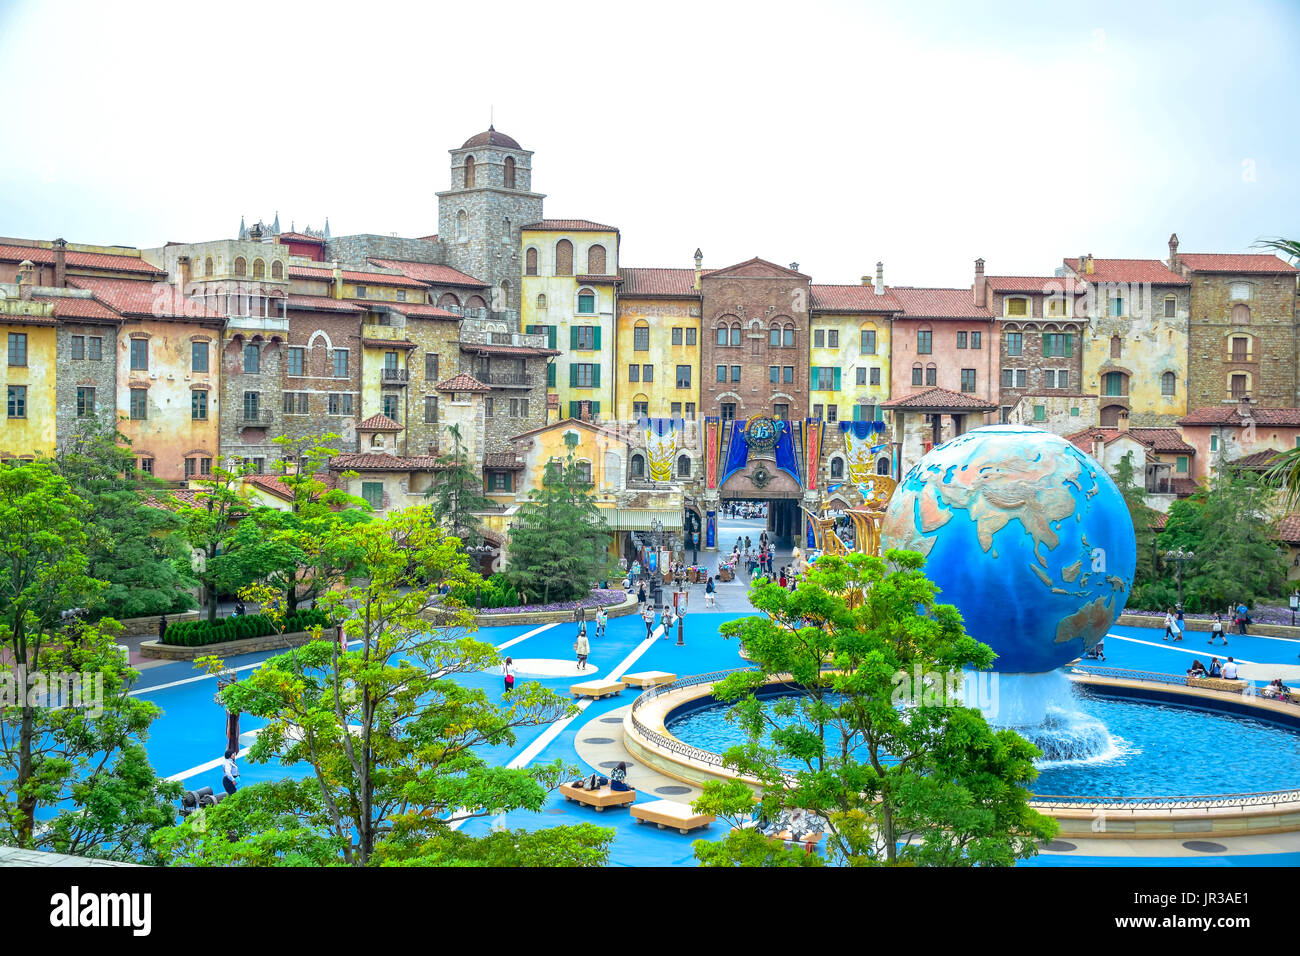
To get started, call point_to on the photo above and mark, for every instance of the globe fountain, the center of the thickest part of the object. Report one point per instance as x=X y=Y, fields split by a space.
x=1032 y=541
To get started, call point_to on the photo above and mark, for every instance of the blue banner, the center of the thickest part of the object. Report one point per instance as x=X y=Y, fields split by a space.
x=786 y=460
x=710 y=529
x=737 y=450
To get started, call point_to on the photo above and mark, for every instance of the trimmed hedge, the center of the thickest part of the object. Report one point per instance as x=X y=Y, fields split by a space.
x=496 y=592
x=203 y=633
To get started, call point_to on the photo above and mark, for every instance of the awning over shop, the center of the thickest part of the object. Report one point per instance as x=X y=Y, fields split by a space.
x=638 y=519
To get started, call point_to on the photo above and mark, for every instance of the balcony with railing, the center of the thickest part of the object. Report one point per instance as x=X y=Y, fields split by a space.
x=488 y=332
x=394 y=376
x=503 y=378
x=254 y=417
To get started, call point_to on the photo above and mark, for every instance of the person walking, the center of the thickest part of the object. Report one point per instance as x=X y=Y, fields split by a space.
x=648 y=615
x=229 y=772
x=1243 y=619
x=640 y=597
x=1179 y=623
x=602 y=618
x=508 y=672
x=1216 y=630
x=1169 y=624
x=709 y=590
x=582 y=647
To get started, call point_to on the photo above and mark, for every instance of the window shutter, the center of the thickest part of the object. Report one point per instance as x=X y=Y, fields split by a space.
x=1069 y=344
x=530 y=329
x=573 y=337
x=596 y=333
x=595 y=369
x=837 y=378
x=550 y=336
x=573 y=409
x=595 y=406
x=550 y=375
x=857 y=413
x=573 y=375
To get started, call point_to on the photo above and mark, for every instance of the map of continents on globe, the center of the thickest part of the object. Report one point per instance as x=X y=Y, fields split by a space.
x=1026 y=535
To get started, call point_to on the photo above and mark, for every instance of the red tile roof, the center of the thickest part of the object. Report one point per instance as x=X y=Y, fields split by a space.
x=142 y=299
x=652 y=283
x=938 y=303
x=1229 y=415
x=939 y=398
x=1044 y=285
x=373 y=462
x=271 y=483
x=1128 y=270
x=1158 y=521
x=388 y=343
x=852 y=298
x=356 y=278
x=1162 y=440
x=1183 y=487
x=22 y=318
x=321 y=303
x=379 y=423
x=421 y=310
x=302 y=237
x=613 y=280
x=503 y=460
x=1232 y=262
x=464 y=382
x=76 y=307
x=1256 y=460
x=107 y=262
x=491 y=137
x=431 y=272
x=1288 y=529
x=568 y=225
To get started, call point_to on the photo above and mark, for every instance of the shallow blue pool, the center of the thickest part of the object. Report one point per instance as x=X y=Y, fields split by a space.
x=1132 y=749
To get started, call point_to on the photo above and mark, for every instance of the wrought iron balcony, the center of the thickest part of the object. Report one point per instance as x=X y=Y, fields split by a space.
x=395 y=376
x=255 y=416
x=505 y=379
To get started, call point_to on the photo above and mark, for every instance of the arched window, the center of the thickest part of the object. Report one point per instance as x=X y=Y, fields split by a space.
x=1116 y=346
x=722 y=335
x=684 y=466
x=1110 y=415
x=469 y=172
x=462 y=224
x=505 y=295
x=735 y=334
x=259 y=269
x=596 y=261
x=510 y=172
x=564 y=258
x=207 y=266
x=917 y=374
x=241 y=266
x=1114 y=383
x=636 y=468
x=449 y=302
x=882 y=466
x=837 y=467
x=277 y=269
x=1168 y=381
x=541 y=302
x=774 y=337
x=530 y=261
x=1241 y=314
x=787 y=336
x=475 y=302
x=584 y=472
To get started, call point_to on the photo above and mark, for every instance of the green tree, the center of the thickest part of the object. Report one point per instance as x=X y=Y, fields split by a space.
x=929 y=783
x=457 y=493
x=558 y=543
x=133 y=545
x=1143 y=515
x=306 y=549
x=71 y=738
x=390 y=734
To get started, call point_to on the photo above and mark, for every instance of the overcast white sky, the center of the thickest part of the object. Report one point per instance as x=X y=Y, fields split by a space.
x=831 y=134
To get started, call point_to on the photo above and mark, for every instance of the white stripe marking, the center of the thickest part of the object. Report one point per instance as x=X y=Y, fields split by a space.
x=1167 y=646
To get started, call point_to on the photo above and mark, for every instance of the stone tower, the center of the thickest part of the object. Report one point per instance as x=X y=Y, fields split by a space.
x=480 y=216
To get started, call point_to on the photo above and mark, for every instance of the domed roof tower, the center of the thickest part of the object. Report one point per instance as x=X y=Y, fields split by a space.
x=480 y=216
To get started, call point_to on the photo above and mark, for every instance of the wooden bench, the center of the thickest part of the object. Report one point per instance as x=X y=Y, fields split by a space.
x=600 y=799
x=596 y=689
x=649 y=678
x=670 y=813
x=1218 y=683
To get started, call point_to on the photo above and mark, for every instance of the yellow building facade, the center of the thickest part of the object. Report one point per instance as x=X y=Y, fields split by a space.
x=658 y=354
x=569 y=284
x=848 y=354
x=30 y=331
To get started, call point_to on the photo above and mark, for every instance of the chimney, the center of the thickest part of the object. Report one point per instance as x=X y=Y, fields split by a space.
x=1088 y=264
x=1243 y=407
x=979 y=289
x=1173 y=252
x=1098 y=447
x=60 y=263
x=699 y=261
x=866 y=281
x=794 y=266
x=182 y=273
x=880 y=278
x=337 y=285
x=1123 y=422
x=26 y=279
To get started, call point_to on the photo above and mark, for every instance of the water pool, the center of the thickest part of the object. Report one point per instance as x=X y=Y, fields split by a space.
x=1138 y=749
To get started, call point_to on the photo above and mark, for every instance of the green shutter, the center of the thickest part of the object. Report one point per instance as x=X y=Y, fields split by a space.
x=595 y=369
x=1069 y=344
x=573 y=337
x=573 y=409
x=880 y=414
x=530 y=329
x=596 y=346
x=550 y=375
x=595 y=409
x=857 y=413
x=573 y=375
x=837 y=379
x=550 y=335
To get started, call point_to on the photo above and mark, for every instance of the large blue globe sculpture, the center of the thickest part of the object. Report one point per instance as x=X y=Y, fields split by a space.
x=1026 y=535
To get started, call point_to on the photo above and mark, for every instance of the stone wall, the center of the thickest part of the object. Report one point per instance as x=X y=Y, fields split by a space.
x=320 y=333
x=351 y=252
x=73 y=374
x=248 y=439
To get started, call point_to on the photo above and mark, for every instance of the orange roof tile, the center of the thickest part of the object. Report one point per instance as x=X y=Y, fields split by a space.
x=568 y=225
x=107 y=262
x=919 y=303
x=77 y=307
x=143 y=299
x=1044 y=285
x=464 y=382
x=1128 y=270
x=431 y=272
x=373 y=462
x=653 y=283
x=1234 y=262
x=939 y=398
x=322 y=303
x=852 y=298
x=380 y=423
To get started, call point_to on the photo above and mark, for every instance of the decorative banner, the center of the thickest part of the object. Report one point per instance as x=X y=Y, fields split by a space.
x=813 y=430
x=737 y=449
x=710 y=529
x=712 y=448
x=662 y=442
x=786 y=460
x=860 y=440
x=812 y=531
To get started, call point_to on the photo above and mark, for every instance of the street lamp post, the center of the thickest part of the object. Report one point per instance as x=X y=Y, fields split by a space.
x=657 y=581
x=1182 y=557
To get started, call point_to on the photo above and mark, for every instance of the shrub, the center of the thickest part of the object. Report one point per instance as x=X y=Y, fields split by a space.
x=203 y=633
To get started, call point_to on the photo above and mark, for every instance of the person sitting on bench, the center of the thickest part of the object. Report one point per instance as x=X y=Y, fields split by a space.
x=618 y=778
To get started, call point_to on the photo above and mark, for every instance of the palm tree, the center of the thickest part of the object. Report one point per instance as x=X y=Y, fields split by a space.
x=1284 y=470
